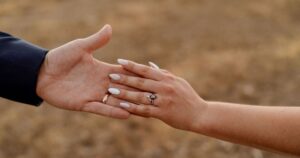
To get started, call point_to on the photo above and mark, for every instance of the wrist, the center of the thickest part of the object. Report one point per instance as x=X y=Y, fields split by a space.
x=41 y=80
x=199 y=123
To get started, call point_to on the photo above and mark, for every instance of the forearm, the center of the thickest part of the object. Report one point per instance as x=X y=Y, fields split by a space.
x=272 y=128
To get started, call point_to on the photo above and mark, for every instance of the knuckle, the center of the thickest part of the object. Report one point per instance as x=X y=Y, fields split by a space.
x=131 y=66
x=170 y=77
x=145 y=70
x=169 y=89
x=140 y=97
x=140 y=82
x=134 y=109
x=145 y=110
x=78 y=43
x=167 y=101
x=124 y=94
x=124 y=79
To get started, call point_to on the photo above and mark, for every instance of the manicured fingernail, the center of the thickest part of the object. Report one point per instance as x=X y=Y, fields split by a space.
x=124 y=105
x=114 y=91
x=122 y=61
x=153 y=65
x=115 y=77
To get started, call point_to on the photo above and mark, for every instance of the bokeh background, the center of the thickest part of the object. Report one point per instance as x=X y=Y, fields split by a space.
x=245 y=51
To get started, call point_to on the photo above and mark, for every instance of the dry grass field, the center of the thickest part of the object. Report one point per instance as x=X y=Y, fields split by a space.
x=245 y=51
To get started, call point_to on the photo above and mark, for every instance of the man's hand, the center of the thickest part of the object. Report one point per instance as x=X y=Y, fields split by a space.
x=70 y=78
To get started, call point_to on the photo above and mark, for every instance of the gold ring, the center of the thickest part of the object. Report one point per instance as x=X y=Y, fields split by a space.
x=105 y=99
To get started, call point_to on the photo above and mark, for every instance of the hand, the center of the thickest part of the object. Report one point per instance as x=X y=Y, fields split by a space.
x=70 y=78
x=177 y=104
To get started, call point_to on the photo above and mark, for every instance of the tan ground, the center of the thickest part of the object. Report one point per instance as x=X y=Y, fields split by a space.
x=230 y=50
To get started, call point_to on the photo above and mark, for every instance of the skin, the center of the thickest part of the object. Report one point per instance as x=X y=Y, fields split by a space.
x=71 y=78
x=177 y=104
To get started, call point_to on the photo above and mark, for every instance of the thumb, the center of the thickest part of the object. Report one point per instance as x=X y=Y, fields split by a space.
x=98 y=39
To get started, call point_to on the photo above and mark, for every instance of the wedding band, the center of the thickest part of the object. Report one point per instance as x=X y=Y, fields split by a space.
x=105 y=99
x=151 y=98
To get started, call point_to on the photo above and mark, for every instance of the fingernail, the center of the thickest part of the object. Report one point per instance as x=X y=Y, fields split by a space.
x=124 y=105
x=122 y=61
x=153 y=65
x=115 y=77
x=114 y=91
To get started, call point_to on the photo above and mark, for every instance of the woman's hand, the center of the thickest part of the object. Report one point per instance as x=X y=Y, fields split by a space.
x=174 y=101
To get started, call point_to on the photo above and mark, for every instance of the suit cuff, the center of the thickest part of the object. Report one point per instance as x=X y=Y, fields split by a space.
x=20 y=63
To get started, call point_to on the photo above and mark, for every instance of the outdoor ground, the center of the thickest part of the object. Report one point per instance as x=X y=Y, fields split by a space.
x=245 y=51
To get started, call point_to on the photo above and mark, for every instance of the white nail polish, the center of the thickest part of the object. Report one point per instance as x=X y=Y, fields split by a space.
x=114 y=91
x=122 y=61
x=124 y=105
x=115 y=77
x=153 y=65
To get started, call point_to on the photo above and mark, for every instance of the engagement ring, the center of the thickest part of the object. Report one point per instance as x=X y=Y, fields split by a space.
x=151 y=98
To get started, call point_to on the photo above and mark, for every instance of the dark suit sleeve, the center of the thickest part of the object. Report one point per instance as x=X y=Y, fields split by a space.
x=19 y=67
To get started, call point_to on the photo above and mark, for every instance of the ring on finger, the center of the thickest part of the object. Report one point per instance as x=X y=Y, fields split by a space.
x=151 y=98
x=105 y=98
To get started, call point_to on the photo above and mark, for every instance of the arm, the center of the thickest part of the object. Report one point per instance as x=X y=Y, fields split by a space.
x=265 y=127
x=68 y=77
x=177 y=104
x=19 y=67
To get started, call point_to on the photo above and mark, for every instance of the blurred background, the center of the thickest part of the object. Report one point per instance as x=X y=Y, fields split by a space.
x=245 y=51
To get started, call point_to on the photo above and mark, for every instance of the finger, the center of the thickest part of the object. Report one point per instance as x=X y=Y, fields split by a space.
x=153 y=65
x=106 y=110
x=119 y=86
x=120 y=70
x=136 y=97
x=142 y=70
x=113 y=101
x=136 y=82
x=98 y=39
x=141 y=110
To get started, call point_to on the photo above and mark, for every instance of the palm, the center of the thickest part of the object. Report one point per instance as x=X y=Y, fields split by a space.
x=72 y=79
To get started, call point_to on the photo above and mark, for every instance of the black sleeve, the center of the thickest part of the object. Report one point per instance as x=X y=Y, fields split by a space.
x=19 y=67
